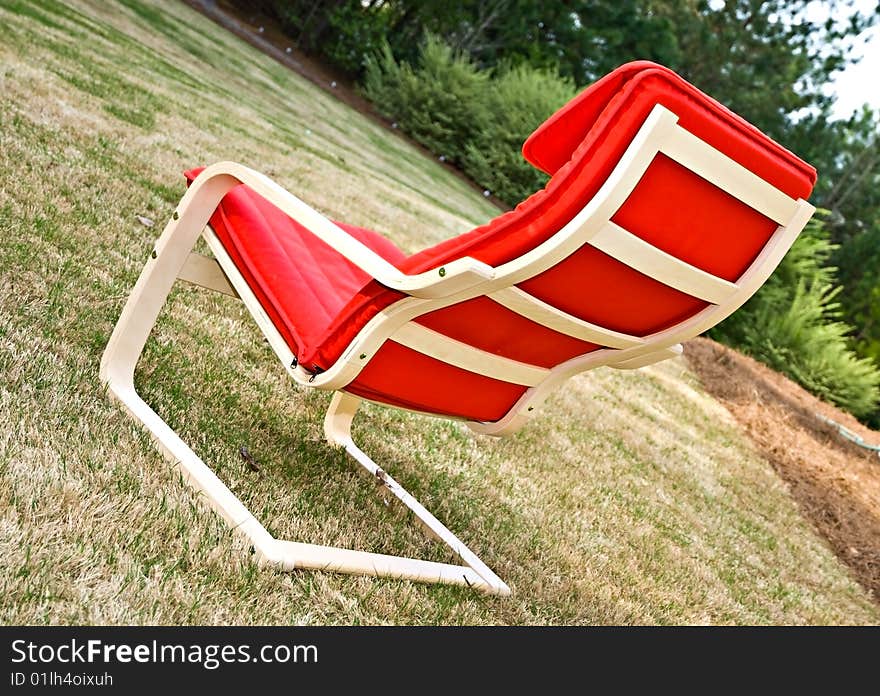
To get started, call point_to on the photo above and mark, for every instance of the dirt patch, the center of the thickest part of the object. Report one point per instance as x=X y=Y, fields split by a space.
x=835 y=482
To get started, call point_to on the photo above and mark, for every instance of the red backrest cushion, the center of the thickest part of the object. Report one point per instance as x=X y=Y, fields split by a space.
x=671 y=208
x=554 y=141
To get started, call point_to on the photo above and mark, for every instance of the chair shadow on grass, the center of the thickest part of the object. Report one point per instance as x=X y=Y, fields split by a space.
x=300 y=487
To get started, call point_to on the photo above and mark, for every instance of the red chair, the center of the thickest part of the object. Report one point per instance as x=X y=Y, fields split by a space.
x=664 y=213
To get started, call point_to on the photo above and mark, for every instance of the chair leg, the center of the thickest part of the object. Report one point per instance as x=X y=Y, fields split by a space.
x=337 y=429
x=117 y=371
x=127 y=343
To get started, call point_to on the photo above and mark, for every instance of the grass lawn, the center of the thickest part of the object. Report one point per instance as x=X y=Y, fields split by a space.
x=632 y=498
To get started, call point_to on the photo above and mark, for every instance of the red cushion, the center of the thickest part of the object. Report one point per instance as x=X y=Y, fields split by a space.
x=553 y=143
x=301 y=282
x=579 y=146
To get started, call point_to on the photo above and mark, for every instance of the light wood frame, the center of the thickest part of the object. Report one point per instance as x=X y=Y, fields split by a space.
x=460 y=280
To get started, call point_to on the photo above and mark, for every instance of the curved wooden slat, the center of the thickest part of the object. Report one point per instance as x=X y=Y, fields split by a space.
x=728 y=175
x=657 y=264
x=448 y=350
x=538 y=311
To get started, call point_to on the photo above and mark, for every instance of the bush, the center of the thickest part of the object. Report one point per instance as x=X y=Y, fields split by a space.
x=343 y=32
x=793 y=325
x=354 y=33
x=518 y=100
x=469 y=116
x=440 y=102
x=859 y=263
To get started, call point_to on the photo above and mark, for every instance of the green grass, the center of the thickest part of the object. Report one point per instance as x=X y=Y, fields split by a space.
x=631 y=498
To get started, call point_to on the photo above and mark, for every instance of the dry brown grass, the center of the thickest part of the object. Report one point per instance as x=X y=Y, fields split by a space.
x=836 y=482
x=633 y=497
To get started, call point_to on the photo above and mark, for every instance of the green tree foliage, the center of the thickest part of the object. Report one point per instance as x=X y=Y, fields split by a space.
x=859 y=261
x=847 y=155
x=475 y=118
x=519 y=100
x=793 y=324
x=765 y=59
x=580 y=40
x=343 y=31
x=439 y=100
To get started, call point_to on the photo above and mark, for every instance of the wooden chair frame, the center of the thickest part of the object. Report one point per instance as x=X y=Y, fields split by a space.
x=460 y=280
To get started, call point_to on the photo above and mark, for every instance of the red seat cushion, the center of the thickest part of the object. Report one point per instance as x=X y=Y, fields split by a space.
x=301 y=282
x=579 y=146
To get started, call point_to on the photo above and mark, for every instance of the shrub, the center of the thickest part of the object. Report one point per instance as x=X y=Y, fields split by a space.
x=440 y=102
x=472 y=117
x=518 y=100
x=859 y=263
x=793 y=325
x=354 y=34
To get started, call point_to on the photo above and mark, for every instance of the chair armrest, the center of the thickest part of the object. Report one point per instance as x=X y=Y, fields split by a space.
x=454 y=277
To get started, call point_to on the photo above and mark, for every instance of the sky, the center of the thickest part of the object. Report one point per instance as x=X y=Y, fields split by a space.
x=860 y=83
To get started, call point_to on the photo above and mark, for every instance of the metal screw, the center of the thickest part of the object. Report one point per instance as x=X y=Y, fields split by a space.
x=442 y=272
x=175 y=215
